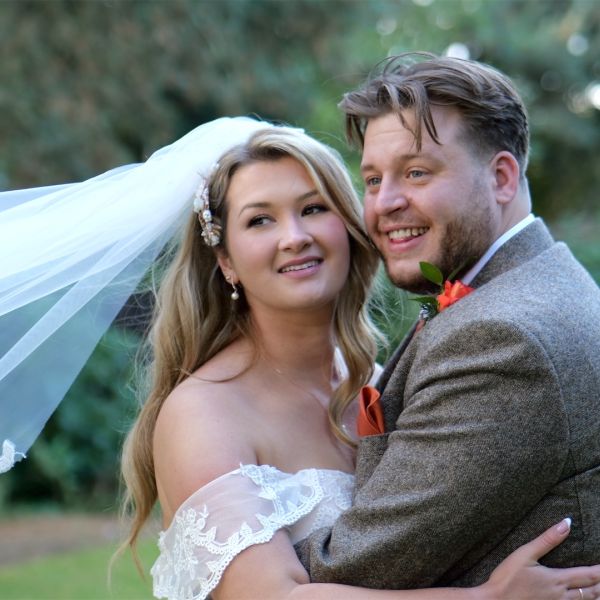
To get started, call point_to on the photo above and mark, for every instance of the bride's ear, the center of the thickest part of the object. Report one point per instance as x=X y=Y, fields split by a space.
x=226 y=267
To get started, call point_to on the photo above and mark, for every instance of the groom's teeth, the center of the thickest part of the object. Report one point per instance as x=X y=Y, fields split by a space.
x=407 y=232
x=306 y=265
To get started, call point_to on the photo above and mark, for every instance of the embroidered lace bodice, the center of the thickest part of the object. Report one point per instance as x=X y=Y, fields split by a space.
x=237 y=510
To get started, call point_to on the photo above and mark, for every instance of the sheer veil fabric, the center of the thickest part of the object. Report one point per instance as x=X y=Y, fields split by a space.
x=71 y=255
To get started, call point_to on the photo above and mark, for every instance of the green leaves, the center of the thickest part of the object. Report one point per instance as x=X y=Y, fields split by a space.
x=429 y=304
x=427 y=300
x=432 y=273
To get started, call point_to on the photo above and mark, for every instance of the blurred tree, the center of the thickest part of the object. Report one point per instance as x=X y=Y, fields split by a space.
x=86 y=86
x=89 y=85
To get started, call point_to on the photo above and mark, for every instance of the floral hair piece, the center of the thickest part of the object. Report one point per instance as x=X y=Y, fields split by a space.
x=211 y=233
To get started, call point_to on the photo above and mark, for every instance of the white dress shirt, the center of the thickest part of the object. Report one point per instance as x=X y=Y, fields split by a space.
x=476 y=268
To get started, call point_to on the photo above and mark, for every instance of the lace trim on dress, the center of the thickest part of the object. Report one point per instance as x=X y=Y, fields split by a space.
x=8 y=456
x=228 y=515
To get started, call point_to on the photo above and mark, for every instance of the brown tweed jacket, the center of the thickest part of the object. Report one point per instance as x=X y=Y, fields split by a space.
x=493 y=420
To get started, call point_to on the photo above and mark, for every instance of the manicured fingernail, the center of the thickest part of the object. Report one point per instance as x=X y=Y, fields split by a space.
x=564 y=525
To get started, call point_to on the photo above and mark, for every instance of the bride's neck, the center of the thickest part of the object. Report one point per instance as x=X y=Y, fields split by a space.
x=297 y=346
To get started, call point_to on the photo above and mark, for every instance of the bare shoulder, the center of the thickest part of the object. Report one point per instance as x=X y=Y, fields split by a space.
x=201 y=433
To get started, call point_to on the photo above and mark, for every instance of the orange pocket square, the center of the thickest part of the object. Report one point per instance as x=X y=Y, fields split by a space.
x=370 y=415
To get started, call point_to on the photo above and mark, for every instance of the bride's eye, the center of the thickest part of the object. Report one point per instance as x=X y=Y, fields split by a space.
x=258 y=220
x=312 y=209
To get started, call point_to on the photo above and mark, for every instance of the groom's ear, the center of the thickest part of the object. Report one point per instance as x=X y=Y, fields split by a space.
x=505 y=176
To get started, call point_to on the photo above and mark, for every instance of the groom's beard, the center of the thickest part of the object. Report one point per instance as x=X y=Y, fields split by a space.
x=465 y=241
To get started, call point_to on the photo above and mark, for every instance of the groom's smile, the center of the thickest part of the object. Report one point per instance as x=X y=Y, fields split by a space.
x=407 y=233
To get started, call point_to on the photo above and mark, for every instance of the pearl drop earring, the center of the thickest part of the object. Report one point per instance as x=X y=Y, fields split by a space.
x=235 y=295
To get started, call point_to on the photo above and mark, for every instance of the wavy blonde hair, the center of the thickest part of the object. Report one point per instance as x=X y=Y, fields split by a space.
x=194 y=317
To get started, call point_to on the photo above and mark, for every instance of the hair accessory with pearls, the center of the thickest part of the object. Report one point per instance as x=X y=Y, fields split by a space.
x=210 y=232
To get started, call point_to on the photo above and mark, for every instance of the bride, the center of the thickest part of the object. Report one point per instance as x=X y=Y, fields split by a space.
x=259 y=347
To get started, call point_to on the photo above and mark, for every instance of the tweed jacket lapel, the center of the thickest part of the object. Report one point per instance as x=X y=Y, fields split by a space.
x=393 y=377
x=390 y=365
x=528 y=243
x=392 y=395
x=524 y=246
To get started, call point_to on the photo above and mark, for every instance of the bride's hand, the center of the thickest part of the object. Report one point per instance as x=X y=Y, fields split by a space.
x=521 y=577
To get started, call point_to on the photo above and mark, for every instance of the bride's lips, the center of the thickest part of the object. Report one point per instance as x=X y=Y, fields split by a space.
x=301 y=266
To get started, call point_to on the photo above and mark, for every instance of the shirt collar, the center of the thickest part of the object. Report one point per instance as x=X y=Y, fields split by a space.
x=476 y=268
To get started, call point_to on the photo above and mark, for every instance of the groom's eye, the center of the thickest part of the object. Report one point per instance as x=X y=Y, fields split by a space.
x=373 y=181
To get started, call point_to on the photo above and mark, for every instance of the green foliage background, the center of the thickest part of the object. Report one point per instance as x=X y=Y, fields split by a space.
x=89 y=85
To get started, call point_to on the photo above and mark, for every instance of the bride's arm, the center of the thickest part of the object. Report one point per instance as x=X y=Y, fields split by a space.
x=272 y=571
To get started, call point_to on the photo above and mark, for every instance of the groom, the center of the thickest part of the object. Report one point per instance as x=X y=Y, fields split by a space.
x=492 y=408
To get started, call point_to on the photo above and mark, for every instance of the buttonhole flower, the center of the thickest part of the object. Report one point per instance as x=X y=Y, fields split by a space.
x=450 y=292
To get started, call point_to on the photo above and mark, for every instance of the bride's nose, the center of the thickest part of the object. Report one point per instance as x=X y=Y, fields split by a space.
x=294 y=235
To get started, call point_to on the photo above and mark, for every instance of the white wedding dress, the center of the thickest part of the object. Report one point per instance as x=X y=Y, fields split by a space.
x=237 y=510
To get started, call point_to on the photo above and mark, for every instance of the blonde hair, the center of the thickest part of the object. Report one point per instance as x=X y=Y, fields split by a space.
x=194 y=317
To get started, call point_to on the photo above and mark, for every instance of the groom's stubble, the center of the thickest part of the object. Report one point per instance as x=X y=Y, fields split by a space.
x=463 y=243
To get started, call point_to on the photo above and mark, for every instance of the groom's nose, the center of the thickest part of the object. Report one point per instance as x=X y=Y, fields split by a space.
x=389 y=198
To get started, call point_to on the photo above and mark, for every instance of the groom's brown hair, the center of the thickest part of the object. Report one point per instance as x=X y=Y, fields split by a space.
x=493 y=114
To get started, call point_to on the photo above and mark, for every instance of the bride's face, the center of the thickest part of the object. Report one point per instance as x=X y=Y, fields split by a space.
x=285 y=245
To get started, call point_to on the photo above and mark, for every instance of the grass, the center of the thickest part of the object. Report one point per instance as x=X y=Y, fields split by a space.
x=79 y=575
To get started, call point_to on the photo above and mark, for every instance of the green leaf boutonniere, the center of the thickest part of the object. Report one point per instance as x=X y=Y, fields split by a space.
x=449 y=292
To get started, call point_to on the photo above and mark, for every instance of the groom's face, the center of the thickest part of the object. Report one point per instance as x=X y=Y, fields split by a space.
x=435 y=205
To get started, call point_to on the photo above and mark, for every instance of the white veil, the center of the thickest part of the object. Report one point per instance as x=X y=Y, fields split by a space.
x=71 y=255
